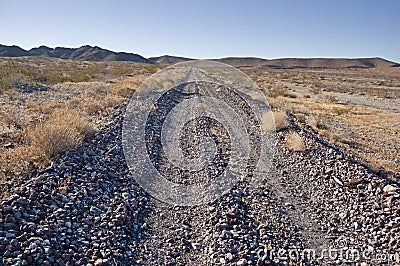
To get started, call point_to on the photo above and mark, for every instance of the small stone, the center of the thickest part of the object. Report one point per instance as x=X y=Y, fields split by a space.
x=10 y=235
x=196 y=246
x=17 y=215
x=338 y=180
x=14 y=242
x=60 y=262
x=390 y=188
x=241 y=262
x=98 y=262
x=356 y=225
x=68 y=224
x=328 y=171
x=95 y=211
x=8 y=145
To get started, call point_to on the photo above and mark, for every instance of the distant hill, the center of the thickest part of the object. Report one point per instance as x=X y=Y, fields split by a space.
x=168 y=59
x=12 y=51
x=85 y=53
x=42 y=50
x=290 y=63
x=94 y=53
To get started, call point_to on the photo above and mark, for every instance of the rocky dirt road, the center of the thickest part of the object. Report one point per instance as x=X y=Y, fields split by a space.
x=86 y=209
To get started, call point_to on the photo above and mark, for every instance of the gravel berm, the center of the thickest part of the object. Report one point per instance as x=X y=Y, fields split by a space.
x=86 y=209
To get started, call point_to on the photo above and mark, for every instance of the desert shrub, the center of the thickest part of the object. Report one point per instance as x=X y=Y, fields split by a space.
x=64 y=130
x=11 y=118
x=123 y=91
x=300 y=117
x=52 y=139
x=73 y=119
x=317 y=122
x=121 y=70
x=65 y=73
x=150 y=69
x=13 y=75
x=281 y=120
x=316 y=90
x=17 y=161
x=277 y=120
x=331 y=98
x=277 y=91
x=96 y=106
x=294 y=142
x=127 y=87
x=339 y=110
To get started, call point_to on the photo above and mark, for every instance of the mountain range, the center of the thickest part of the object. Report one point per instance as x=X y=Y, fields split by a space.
x=84 y=53
x=94 y=53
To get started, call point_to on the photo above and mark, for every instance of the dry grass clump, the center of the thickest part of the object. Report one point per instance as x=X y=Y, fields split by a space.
x=12 y=75
x=127 y=87
x=51 y=139
x=96 y=106
x=281 y=120
x=11 y=118
x=317 y=122
x=294 y=142
x=340 y=110
x=275 y=91
x=64 y=130
x=36 y=128
x=277 y=120
x=17 y=161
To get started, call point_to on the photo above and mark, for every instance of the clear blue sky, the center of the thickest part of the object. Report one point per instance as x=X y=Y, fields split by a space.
x=209 y=29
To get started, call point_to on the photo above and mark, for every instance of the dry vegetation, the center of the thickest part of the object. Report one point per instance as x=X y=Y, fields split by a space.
x=357 y=109
x=281 y=120
x=67 y=101
x=294 y=142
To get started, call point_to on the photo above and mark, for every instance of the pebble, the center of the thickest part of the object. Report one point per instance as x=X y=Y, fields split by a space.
x=241 y=262
x=390 y=188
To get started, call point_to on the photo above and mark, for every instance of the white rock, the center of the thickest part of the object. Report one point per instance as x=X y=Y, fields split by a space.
x=196 y=246
x=390 y=188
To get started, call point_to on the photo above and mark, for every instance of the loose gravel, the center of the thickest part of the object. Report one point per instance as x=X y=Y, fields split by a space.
x=86 y=209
